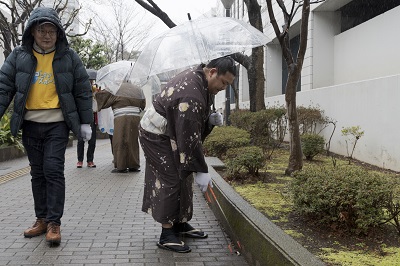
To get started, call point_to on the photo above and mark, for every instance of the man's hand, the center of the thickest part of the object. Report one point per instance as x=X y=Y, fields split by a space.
x=203 y=180
x=86 y=132
x=216 y=119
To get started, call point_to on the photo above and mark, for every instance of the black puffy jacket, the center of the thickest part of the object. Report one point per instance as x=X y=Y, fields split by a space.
x=71 y=79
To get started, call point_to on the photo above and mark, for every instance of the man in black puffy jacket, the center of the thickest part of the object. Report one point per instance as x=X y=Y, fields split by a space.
x=52 y=95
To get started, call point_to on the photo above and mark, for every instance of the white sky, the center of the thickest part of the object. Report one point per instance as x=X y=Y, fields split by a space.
x=177 y=11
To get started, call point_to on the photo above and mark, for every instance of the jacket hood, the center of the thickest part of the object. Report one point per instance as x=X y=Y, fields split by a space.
x=38 y=16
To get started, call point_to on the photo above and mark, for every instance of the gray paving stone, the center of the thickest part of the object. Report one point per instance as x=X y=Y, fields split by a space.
x=103 y=223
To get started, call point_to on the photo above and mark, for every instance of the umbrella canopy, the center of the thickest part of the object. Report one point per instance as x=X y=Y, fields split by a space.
x=194 y=42
x=92 y=73
x=111 y=76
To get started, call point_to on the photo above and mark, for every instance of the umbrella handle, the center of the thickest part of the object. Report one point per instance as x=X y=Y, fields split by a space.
x=213 y=104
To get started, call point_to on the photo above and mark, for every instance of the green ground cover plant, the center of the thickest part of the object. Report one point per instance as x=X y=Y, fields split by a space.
x=344 y=211
x=357 y=236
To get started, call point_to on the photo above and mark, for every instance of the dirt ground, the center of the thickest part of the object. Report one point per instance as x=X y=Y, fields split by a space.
x=317 y=236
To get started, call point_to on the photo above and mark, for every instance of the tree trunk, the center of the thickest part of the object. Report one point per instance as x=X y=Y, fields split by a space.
x=256 y=70
x=252 y=78
x=296 y=154
x=258 y=58
x=256 y=80
x=294 y=69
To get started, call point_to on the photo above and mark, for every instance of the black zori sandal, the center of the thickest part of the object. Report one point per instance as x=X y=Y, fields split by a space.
x=187 y=230
x=169 y=241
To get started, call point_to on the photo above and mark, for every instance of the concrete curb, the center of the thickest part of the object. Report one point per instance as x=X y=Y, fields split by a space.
x=12 y=152
x=256 y=237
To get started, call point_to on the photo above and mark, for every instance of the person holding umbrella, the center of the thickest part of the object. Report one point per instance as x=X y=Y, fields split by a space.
x=52 y=96
x=127 y=105
x=171 y=134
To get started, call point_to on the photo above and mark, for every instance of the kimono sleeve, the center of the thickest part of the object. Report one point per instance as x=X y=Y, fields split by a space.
x=104 y=99
x=189 y=126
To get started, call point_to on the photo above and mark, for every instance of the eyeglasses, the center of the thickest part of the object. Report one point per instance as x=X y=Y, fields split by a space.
x=43 y=33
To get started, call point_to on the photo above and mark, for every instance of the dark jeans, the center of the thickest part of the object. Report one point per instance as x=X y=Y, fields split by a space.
x=45 y=144
x=91 y=146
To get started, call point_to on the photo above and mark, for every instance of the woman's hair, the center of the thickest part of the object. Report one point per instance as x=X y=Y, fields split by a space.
x=223 y=65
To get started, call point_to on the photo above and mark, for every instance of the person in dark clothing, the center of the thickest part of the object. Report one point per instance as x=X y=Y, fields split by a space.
x=52 y=96
x=92 y=142
x=171 y=134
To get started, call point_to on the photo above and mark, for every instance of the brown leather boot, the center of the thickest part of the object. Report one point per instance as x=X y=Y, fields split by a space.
x=37 y=229
x=53 y=235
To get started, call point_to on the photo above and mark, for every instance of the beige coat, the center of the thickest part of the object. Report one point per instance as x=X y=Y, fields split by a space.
x=126 y=121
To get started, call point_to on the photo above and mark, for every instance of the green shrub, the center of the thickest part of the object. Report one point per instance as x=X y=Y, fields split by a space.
x=348 y=196
x=249 y=158
x=267 y=127
x=223 y=138
x=6 y=138
x=242 y=119
x=312 y=144
x=310 y=118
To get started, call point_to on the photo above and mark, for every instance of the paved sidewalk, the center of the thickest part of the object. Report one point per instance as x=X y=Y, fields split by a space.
x=103 y=223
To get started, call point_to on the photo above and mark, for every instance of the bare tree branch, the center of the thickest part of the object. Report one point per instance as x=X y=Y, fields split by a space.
x=13 y=25
x=303 y=37
x=156 y=11
x=119 y=33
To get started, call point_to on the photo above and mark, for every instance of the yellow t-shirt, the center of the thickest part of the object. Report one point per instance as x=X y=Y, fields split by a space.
x=43 y=94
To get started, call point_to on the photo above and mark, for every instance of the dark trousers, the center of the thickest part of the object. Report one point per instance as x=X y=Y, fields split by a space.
x=91 y=146
x=45 y=144
x=111 y=138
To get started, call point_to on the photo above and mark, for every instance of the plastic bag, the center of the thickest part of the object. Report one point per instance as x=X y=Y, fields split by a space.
x=106 y=121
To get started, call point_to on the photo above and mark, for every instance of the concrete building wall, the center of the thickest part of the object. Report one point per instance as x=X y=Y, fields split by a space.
x=370 y=50
x=370 y=104
x=354 y=77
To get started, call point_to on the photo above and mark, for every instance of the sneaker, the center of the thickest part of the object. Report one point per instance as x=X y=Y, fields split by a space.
x=53 y=235
x=91 y=165
x=79 y=164
x=134 y=169
x=37 y=229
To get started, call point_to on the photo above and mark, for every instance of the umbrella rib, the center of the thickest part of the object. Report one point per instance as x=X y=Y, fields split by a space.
x=212 y=39
x=129 y=73
x=195 y=41
x=152 y=60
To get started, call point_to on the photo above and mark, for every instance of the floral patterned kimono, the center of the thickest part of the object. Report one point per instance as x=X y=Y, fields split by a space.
x=174 y=150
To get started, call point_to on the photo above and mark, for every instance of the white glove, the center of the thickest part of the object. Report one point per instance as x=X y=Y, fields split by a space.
x=203 y=180
x=216 y=119
x=86 y=132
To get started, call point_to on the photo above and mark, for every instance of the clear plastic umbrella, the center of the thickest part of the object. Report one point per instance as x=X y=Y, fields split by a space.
x=111 y=76
x=194 y=42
